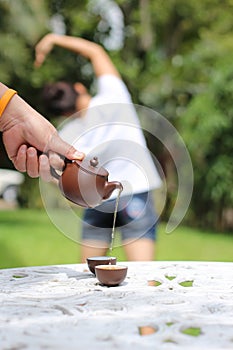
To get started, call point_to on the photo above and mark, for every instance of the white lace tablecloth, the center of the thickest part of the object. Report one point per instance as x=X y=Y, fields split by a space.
x=187 y=305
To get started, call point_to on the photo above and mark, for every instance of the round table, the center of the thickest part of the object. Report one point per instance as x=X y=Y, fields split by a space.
x=160 y=305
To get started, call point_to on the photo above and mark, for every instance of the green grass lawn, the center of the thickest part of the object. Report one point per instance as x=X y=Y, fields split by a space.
x=28 y=237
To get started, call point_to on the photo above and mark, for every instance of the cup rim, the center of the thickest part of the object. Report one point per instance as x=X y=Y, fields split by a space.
x=111 y=267
x=99 y=258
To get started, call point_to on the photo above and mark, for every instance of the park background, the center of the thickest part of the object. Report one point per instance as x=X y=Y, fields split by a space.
x=176 y=58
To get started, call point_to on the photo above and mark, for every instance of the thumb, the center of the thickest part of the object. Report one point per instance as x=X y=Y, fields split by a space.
x=58 y=145
x=72 y=153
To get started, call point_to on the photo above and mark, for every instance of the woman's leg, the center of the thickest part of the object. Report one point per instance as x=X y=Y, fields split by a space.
x=142 y=249
x=138 y=228
x=96 y=232
x=93 y=248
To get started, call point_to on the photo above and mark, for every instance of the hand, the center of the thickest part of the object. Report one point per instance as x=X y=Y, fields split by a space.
x=25 y=132
x=43 y=48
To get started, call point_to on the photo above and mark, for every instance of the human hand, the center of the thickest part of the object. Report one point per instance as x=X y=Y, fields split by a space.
x=43 y=48
x=25 y=133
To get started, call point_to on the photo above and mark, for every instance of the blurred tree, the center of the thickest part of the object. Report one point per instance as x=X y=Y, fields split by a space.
x=175 y=57
x=21 y=25
x=207 y=127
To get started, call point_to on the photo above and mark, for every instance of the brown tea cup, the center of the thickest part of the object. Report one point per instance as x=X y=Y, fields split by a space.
x=111 y=275
x=93 y=261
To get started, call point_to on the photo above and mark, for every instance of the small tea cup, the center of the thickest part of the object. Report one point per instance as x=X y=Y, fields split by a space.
x=93 y=261
x=111 y=275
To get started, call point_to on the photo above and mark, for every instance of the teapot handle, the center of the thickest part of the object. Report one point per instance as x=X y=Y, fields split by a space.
x=53 y=171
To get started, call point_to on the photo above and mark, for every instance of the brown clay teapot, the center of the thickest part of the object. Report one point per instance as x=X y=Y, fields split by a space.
x=86 y=184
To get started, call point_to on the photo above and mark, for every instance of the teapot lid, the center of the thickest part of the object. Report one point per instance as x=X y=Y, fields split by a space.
x=91 y=166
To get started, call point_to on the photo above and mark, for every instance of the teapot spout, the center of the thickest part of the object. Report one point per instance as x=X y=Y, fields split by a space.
x=110 y=187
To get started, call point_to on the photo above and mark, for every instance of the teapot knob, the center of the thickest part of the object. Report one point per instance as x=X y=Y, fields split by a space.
x=94 y=162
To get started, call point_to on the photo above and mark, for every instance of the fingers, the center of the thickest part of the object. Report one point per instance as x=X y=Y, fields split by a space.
x=57 y=145
x=44 y=168
x=55 y=161
x=20 y=161
x=40 y=166
x=42 y=49
x=40 y=57
x=32 y=163
x=74 y=154
x=27 y=160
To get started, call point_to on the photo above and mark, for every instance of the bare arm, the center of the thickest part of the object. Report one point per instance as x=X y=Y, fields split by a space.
x=99 y=58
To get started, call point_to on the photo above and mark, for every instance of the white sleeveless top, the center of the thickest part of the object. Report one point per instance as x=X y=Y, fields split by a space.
x=110 y=130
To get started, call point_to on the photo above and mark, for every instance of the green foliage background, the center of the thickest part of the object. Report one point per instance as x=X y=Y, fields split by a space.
x=176 y=58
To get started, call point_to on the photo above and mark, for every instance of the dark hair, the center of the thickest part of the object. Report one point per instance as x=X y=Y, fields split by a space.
x=59 y=97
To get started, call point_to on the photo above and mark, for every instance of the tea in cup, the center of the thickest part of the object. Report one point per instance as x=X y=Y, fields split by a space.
x=111 y=275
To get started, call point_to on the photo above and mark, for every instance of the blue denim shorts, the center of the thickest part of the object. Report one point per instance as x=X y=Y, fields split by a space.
x=136 y=218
